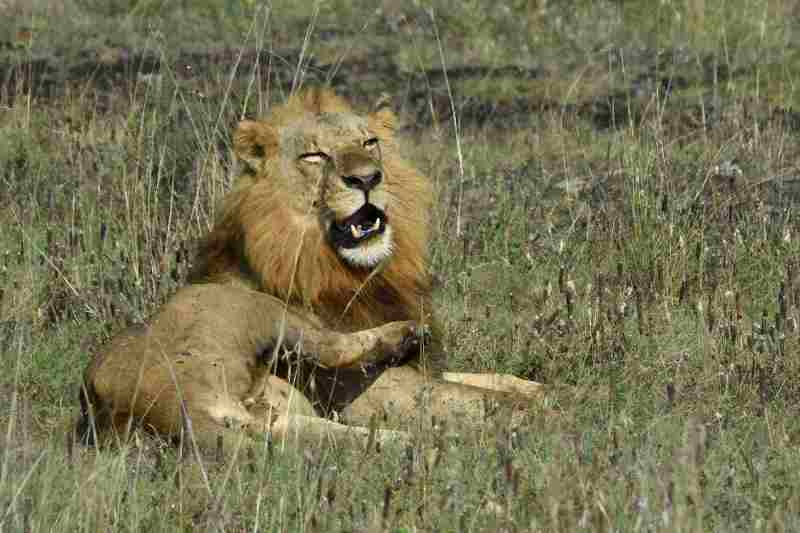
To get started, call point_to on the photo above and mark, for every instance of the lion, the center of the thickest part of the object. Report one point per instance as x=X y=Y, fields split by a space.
x=308 y=313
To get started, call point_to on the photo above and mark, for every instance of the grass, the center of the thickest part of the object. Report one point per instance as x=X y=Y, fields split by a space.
x=628 y=219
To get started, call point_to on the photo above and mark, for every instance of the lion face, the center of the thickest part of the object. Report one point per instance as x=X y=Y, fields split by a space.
x=331 y=165
x=327 y=214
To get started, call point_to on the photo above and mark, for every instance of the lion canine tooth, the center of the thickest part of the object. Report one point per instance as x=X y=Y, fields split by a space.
x=376 y=225
x=357 y=233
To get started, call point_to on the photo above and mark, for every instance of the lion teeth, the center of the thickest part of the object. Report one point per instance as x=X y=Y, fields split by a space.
x=361 y=230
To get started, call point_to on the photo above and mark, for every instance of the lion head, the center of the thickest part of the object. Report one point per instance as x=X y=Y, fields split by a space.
x=326 y=214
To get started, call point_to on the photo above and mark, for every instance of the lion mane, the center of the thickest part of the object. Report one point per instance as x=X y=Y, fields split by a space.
x=262 y=242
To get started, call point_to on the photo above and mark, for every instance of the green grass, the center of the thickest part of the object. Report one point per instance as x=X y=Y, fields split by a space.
x=604 y=250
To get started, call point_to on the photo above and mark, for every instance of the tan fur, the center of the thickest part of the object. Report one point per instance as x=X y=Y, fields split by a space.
x=275 y=276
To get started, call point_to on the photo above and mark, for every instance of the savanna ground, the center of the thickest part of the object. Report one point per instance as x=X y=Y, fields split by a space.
x=618 y=208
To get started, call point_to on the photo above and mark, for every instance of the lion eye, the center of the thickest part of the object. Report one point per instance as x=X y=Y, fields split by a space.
x=314 y=157
x=369 y=144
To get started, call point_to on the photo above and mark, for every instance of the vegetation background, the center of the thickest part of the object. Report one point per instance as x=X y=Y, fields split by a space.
x=617 y=216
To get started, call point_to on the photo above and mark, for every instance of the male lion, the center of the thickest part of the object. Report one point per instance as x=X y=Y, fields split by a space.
x=310 y=300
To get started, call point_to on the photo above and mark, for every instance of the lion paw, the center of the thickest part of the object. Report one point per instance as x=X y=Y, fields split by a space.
x=391 y=343
x=413 y=337
x=413 y=341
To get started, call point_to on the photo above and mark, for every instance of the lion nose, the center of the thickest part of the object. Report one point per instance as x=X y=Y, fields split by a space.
x=365 y=182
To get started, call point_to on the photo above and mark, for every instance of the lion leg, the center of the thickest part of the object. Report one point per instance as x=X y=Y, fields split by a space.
x=498 y=382
x=286 y=415
x=231 y=424
x=314 y=431
x=402 y=393
x=247 y=322
x=330 y=349
x=218 y=422
x=161 y=402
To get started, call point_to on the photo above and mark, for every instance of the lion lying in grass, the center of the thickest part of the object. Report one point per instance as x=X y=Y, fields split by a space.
x=309 y=313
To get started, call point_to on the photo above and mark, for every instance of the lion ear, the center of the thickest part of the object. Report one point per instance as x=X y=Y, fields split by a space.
x=253 y=141
x=382 y=115
x=383 y=122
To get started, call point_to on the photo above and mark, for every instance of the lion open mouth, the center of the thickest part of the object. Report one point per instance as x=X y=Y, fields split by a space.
x=359 y=227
